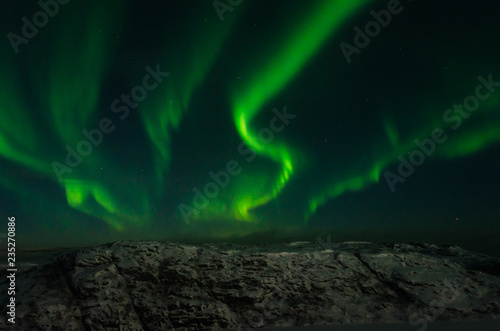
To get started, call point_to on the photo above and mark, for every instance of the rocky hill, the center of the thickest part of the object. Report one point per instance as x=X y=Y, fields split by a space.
x=160 y=286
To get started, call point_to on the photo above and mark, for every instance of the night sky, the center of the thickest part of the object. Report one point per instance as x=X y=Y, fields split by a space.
x=226 y=120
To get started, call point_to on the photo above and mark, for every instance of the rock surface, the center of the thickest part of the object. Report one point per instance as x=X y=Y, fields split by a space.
x=161 y=286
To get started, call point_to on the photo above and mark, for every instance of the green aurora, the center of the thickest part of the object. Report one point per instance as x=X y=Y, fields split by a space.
x=224 y=78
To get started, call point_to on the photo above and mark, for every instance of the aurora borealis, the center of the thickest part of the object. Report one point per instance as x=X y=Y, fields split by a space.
x=154 y=100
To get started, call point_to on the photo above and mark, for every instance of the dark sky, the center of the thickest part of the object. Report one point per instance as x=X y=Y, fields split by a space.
x=202 y=120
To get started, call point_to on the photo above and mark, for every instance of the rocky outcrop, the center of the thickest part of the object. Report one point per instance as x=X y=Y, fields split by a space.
x=160 y=286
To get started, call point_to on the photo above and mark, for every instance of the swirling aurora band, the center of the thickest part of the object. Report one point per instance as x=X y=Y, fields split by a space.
x=51 y=96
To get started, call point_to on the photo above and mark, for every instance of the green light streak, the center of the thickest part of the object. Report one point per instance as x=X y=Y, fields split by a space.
x=391 y=131
x=47 y=101
x=163 y=110
x=473 y=141
x=78 y=65
x=477 y=132
x=299 y=47
x=94 y=199
x=25 y=144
